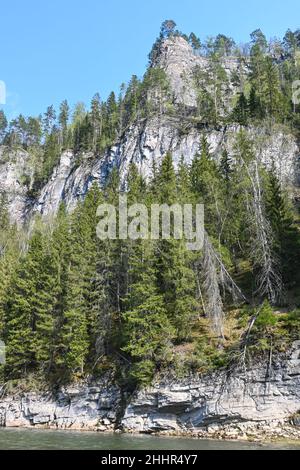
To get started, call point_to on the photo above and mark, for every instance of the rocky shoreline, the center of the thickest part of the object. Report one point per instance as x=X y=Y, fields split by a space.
x=261 y=403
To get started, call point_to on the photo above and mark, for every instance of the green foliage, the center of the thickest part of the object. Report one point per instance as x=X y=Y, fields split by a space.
x=285 y=233
x=30 y=305
x=241 y=110
x=195 y=42
x=167 y=28
x=212 y=86
x=3 y=125
x=266 y=317
x=263 y=335
x=148 y=332
x=292 y=324
x=72 y=305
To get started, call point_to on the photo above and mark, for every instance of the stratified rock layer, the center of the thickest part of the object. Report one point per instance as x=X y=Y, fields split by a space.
x=91 y=406
x=262 y=402
x=263 y=398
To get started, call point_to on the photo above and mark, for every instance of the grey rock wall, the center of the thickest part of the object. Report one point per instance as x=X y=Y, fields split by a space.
x=144 y=141
x=261 y=402
x=151 y=141
x=90 y=407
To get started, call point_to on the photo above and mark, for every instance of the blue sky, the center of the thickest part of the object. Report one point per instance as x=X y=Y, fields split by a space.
x=71 y=49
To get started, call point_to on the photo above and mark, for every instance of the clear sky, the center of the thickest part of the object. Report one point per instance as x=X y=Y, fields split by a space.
x=57 y=49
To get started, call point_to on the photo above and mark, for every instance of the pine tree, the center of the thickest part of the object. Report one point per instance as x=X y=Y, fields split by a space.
x=49 y=120
x=195 y=42
x=63 y=119
x=167 y=28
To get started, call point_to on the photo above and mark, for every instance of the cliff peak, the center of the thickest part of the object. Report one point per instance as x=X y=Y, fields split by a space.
x=177 y=58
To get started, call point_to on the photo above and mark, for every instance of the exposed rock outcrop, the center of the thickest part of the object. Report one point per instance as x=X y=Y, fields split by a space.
x=90 y=407
x=151 y=140
x=263 y=401
x=144 y=141
x=260 y=401
x=15 y=173
x=178 y=59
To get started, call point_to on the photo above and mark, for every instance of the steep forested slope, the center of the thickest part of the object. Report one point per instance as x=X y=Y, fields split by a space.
x=212 y=124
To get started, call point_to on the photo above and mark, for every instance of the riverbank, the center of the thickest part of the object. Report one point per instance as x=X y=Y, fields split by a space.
x=34 y=439
x=258 y=404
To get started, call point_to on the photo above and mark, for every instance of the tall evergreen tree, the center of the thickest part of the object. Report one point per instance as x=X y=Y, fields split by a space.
x=29 y=316
x=147 y=329
x=286 y=240
x=63 y=118
x=175 y=275
x=241 y=111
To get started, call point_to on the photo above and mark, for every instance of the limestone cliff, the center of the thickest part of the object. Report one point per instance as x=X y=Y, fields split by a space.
x=260 y=402
x=264 y=399
x=145 y=140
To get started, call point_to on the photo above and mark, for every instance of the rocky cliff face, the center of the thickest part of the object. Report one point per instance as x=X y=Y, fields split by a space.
x=150 y=141
x=15 y=171
x=142 y=142
x=263 y=401
x=92 y=406
x=177 y=58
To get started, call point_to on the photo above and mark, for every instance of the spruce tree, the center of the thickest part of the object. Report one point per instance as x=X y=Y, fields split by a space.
x=85 y=307
x=147 y=329
x=29 y=315
x=206 y=187
x=286 y=239
x=226 y=168
x=175 y=276
x=183 y=182
x=241 y=111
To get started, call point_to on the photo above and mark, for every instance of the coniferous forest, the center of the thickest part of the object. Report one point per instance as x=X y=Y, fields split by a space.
x=72 y=305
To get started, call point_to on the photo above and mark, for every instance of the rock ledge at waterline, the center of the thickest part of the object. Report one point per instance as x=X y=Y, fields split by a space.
x=262 y=402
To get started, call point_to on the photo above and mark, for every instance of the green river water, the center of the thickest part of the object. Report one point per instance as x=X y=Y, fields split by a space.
x=64 y=440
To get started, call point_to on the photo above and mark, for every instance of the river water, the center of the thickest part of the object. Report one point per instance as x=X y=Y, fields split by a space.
x=64 y=440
